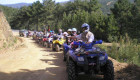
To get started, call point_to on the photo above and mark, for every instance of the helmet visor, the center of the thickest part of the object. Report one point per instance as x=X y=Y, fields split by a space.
x=84 y=28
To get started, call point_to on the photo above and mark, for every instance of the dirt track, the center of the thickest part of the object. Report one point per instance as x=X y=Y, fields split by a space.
x=33 y=62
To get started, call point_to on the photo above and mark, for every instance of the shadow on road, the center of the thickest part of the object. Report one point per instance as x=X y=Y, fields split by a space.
x=131 y=72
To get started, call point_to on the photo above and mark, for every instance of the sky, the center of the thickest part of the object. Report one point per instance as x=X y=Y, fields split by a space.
x=25 y=1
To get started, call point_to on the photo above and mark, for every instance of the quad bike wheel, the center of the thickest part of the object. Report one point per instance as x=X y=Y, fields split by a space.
x=108 y=70
x=53 y=47
x=64 y=57
x=50 y=45
x=44 y=44
x=57 y=47
x=71 y=71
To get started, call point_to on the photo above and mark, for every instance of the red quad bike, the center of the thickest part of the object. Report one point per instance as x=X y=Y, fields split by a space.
x=44 y=41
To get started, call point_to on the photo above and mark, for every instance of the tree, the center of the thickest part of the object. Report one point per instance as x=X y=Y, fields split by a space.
x=123 y=15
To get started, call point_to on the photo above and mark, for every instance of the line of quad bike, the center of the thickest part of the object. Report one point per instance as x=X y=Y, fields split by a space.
x=34 y=62
x=94 y=63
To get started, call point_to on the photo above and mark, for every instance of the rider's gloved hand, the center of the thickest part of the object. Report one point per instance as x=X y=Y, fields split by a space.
x=88 y=42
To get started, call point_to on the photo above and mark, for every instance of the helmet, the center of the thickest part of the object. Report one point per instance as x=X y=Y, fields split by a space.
x=65 y=33
x=74 y=29
x=69 y=29
x=51 y=31
x=85 y=25
x=60 y=30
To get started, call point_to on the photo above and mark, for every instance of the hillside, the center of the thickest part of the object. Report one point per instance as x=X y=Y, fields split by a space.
x=18 y=5
x=6 y=36
x=107 y=4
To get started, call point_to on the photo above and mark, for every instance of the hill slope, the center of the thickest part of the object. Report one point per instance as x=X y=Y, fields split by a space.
x=18 y=5
x=6 y=36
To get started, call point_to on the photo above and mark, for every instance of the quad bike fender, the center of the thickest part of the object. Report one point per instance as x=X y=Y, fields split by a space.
x=71 y=55
x=62 y=41
x=66 y=48
x=58 y=42
x=50 y=39
x=55 y=41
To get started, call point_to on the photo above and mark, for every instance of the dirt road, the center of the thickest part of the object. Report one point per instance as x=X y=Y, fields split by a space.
x=33 y=62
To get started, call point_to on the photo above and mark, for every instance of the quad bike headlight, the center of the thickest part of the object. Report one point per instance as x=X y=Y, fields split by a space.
x=80 y=58
x=102 y=58
x=98 y=49
x=82 y=50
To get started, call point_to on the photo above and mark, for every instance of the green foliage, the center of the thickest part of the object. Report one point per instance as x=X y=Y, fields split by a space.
x=8 y=11
x=4 y=45
x=127 y=51
x=112 y=38
x=15 y=40
x=122 y=13
x=124 y=19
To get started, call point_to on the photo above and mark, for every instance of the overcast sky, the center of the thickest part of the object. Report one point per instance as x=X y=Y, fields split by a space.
x=25 y=1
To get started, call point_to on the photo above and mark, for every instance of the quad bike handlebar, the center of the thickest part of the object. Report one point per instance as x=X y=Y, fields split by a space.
x=87 y=46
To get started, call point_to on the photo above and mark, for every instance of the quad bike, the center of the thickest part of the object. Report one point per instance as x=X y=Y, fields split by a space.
x=39 y=39
x=34 y=36
x=81 y=57
x=44 y=41
x=29 y=35
x=57 y=44
x=50 y=42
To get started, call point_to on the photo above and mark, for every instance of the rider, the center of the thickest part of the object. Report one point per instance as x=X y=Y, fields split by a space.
x=69 y=31
x=51 y=34
x=60 y=34
x=74 y=31
x=86 y=36
x=65 y=34
x=49 y=28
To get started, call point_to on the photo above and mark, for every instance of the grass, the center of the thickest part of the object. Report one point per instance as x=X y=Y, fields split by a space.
x=4 y=45
x=15 y=40
x=9 y=43
x=128 y=50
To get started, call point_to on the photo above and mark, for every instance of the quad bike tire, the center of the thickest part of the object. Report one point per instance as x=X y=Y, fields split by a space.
x=45 y=44
x=64 y=57
x=71 y=71
x=50 y=45
x=57 y=47
x=53 y=47
x=108 y=70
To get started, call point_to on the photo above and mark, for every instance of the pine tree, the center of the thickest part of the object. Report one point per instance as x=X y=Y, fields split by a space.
x=122 y=13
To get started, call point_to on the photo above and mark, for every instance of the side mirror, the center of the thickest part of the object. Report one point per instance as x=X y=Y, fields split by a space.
x=100 y=41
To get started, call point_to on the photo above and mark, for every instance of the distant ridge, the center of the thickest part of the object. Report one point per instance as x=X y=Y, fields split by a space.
x=103 y=2
x=18 y=5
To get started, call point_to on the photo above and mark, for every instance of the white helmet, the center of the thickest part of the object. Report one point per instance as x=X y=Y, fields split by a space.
x=86 y=26
x=69 y=30
x=65 y=33
x=74 y=29
x=60 y=30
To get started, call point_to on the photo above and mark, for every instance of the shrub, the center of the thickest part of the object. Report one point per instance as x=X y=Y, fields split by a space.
x=127 y=51
x=112 y=38
x=4 y=45
x=15 y=40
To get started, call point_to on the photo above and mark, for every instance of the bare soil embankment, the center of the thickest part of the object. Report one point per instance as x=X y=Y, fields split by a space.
x=7 y=39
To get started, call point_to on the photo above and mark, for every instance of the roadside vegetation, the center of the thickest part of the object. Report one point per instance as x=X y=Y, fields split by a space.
x=124 y=50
